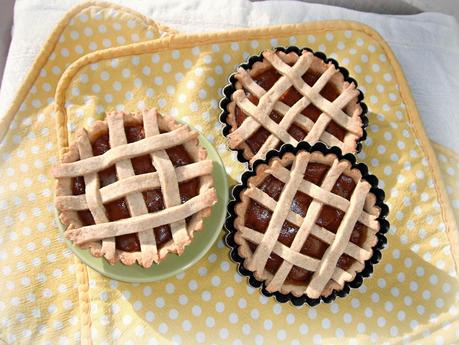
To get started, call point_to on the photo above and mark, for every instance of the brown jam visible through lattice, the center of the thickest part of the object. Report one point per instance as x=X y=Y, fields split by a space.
x=266 y=80
x=257 y=217
x=118 y=209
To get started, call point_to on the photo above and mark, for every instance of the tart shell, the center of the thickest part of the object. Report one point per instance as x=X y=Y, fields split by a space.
x=289 y=292
x=257 y=63
x=71 y=219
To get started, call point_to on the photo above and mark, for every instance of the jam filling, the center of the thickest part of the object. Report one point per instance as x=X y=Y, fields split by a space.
x=257 y=217
x=266 y=80
x=118 y=209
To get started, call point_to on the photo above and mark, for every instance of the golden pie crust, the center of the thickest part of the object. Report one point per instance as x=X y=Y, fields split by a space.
x=345 y=110
x=358 y=207
x=161 y=133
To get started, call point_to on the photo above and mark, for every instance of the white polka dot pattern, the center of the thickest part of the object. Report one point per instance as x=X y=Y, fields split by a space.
x=39 y=299
x=414 y=287
x=190 y=95
x=449 y=167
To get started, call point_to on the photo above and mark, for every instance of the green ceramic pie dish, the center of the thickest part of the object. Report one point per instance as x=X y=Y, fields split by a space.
x=173 y=264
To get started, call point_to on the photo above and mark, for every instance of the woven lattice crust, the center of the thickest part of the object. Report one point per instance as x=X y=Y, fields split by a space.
x=331 y=281
x=348 y=110
x=160 y=133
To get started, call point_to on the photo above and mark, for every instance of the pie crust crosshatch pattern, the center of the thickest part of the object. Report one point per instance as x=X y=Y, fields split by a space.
x=36 y=263
x=183 y=78
x=412 y=295
x=134 y=187
x=287 y=95
x=308 y=223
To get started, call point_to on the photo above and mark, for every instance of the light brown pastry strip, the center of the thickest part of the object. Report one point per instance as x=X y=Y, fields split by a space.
x=324 y=119
x=309 y=220
x=326 y=197
x=138 y=148
x=168 y=181
x=265 y=105
x=298 y=259
x=311 y=189
x=336 y=249
x=136 y=183
x=93 y=198
x=301 y=260
x=320 y=102
x=294 y=112
x=244 y=77
x=280 y=214
x=143 y=222
x=135 y=200
x=260 y=113
x=326 y=236
x=284 y=124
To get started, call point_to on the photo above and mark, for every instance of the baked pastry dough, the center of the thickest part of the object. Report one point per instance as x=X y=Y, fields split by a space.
x=306 y=223
x=134 y=187
x=286 y=98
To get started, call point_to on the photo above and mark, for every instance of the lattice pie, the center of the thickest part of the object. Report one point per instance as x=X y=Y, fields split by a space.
x=292 y=97
x=134 y=187
x=306 y=223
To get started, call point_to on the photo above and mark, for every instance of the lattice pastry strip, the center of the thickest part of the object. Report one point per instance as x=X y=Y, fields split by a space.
x=93 y=198
x=336 y=249
x=322 y=193
x=136 y=183
x=359 y=208
x=136 y=149
x=292 y=256
x=312 y=93
x=257 y=264
x=291 y=68
x=168 y=181
x=290 y=114
x=305 y=228
x=135 y=201
x=141 y=223
x=259 y=114
x=160 y=134
x=264 y=199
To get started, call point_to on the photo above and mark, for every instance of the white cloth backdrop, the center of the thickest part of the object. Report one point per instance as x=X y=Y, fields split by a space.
x=427 y=44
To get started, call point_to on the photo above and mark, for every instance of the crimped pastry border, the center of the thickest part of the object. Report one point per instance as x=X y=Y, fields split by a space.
x=290 y=55
x=71 y=219
x=290 y=292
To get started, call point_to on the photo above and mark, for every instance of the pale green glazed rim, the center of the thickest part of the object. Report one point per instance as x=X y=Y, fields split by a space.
x=173 y=264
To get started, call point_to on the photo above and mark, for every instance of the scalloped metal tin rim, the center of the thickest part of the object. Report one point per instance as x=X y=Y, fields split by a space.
x=368 y=269
x=229 y=88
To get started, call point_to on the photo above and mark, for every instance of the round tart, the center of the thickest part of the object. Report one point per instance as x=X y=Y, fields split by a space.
x=307 y=223
x=285 y=96
x=134 y=187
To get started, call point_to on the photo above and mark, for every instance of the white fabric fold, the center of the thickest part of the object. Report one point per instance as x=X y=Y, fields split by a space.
x=427 y=44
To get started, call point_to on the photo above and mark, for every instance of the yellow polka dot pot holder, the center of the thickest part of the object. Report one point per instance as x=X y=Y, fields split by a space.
x=102 y=57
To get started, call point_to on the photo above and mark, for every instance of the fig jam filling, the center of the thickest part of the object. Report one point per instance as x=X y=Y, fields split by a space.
x=257 y=217
x=266 y=80
x=118 y=209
